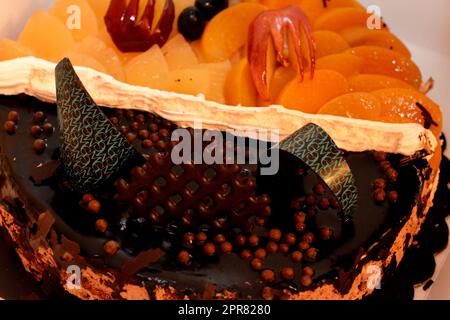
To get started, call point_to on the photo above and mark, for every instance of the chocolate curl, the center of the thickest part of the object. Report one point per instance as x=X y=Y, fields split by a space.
x=315 y=148
x=92 y=149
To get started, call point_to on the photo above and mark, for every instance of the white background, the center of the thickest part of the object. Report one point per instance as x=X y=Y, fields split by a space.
x=424 y=25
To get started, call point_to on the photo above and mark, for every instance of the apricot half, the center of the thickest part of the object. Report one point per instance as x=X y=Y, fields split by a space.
x=239 y=88
x=341 y=18
x=329 y=42
x=347 y=64
x=11 y=50
x=372 y=82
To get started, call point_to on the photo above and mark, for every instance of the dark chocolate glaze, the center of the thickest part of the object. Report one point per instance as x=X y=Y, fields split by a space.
x=373 y=226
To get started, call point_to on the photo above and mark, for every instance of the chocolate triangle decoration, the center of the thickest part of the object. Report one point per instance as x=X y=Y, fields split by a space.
x=315 y=148
x=92 y=149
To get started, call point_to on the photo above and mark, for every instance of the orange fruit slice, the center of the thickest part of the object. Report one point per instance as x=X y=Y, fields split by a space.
x=347 y=64
x=311 y=94
x=372 y=82
x=280 y=78
x=341 y=18
x=360 y=105
x=179 y=53
x=11 y=50
x=36 y=36
x=239 y=88
x=227 y=32
x=84 y=60
x=390 y=63
x=329 y=42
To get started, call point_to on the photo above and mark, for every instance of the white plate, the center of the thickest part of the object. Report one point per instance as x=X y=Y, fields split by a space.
x=423 y=25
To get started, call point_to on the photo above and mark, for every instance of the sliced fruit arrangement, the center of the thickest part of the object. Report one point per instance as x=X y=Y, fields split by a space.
x=315 y=56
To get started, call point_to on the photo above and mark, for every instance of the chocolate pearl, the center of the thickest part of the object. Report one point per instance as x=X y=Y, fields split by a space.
x=246 y=254
x=153 y=127
x=379 y=195
x=110 y=247
x=114 y=120
x=260 y=253
x=260 y=222
x=201 y=238
x=311 y=212
x=94 y=206
x=271 y=247
x=13 y=116
x=296 y=256
x=240 y=240
x=326 y=233
x=154 y=137
x=256 y=264
x=119 y=113
x=101 y=225
x=188 y=239
x=209 y=249
x=268 y=275
x=290 y=238
x=392 y=175
x=379 y=184
x=311 y=200
x=287 y=273
x=275 y=235
x=393 y=196
x=253 y=240
x=144 y=134
x=164 y=133
x=39 y=146
x=161 y=145
x=283 y=248
x=134 y=126
x=130 y=114
x=324 y=203
x=10 y=127
x=38 y=116
x=219 y=238
x=308 y=237
x=226 y=247
x=380 y=156
x=300 y=172
x=140 y=118
x=303 y=246
x=267 y=293
x=300 y=227
x=306 y=281
x=131 y=137
x=385 y=166
x=35 y=131
x=319 y=189
x=48 y=128
x=87 y=197
x=334 y=203
x=296 y=203
x=300 y=217
x=308 y=271
x=123 y=130
x=147 y=144
x=311 y=254
x=184 y=257
x=167 y=124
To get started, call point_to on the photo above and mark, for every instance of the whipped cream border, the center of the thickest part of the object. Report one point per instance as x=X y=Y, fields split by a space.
x=35 y=77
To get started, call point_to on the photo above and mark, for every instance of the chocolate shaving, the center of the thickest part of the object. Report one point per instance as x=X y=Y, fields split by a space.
x=142 y=260
x=44 y=224
x=209 y=292
x=406 y=161
x=427 y=118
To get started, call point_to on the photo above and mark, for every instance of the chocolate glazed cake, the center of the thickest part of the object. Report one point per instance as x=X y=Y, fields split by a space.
x=95 y=190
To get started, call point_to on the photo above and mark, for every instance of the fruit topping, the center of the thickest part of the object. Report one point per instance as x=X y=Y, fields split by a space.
x=270 y=27
x=210 y=8
x=133 y=33
x=372 y=82
x=329 y=42
x=191 y=23
x=346 y=64
x=341 y=18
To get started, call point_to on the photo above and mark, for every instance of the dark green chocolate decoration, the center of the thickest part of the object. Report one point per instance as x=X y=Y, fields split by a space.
x=92 y=149
x=313 y=146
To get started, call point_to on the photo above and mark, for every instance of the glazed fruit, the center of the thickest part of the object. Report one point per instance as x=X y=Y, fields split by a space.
x=84 y=60
x=210 y=8
x=191 y=23
x=35 y=36
x=217 y=74
x=99 y=7
x=179 y=53
x=280 y=79
x=329 y=42
x=227 y=32
x=347 y=64
x=341 y=18
x=372 y=82
x=389 y=63
x=310 y=94
x=11 y=50
x=239 y=88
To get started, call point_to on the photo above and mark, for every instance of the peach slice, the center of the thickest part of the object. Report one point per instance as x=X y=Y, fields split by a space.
x=88 y=24
x=218 y=75
x=227 y=32
x=341 y=18
x=390 y=63
x=148 y=69
x=179 y=53
x=347 y=64
x=239 y=88
x=84 y=60
x=400 y=106
x=329 y=42
x=280 y=78
x=359 y=105
x=372 y=82
x=189 y=81
x=310 y=94
x=97 y=49
x=11 y=50
x=361 y=36
x=36 y=36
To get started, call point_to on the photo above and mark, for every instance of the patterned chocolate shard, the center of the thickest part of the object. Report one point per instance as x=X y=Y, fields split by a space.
x=92 y=149
x=315 y=148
